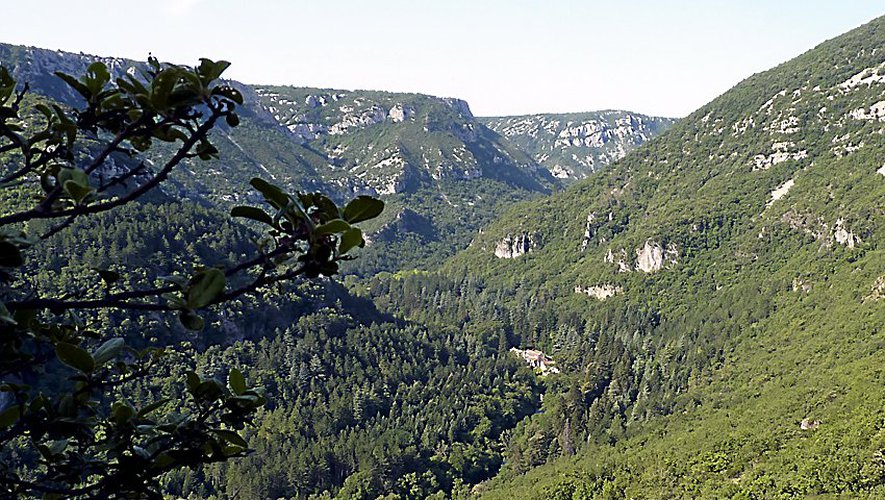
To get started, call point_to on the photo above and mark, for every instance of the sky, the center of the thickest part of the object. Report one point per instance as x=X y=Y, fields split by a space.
x=505 y=57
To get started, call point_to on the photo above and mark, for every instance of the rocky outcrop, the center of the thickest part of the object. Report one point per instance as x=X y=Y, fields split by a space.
x=371 y=116
x=620 y=259
x=780 y=152
x=652 y=256
x=406 y=222
x=574 y=145
x=875 y=112
x=536 y=359
x=599 y=292
x=307 y=131
x=877 y=291
x=809 y=425
x=589 y=231
x=843 y=236
x=460 y=106
x=800 y=285
x=399 y=113
x=512 y=246
x=779 y=193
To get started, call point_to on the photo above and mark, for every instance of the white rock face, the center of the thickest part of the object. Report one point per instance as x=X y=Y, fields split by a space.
x=307 y=131
x=809 y=425
x=877 y=291
x=512 y=247
x=371 y=116
x=844 y=236
x=876 y=112
x=801 y=285
x=314 y=101
x=779 y=154
x=599 y=292
x=589 y=231
x=621 y=260
x=779 y=193
x=789 y=125
x=650 y=258
x=400 y=113
x=881 y=171
x=561 y=172
x=868 y=77
x=460 y=106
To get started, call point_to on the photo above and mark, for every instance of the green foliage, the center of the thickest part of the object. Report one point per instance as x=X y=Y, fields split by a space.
x=366 y=410
x=690 y=382
x=66 y=424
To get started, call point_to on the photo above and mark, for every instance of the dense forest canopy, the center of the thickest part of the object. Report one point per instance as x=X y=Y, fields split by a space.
x=702 y=318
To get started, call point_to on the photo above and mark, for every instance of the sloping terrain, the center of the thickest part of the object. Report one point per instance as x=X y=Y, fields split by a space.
x=574 y=145
x=715 y=299
x=441 y=171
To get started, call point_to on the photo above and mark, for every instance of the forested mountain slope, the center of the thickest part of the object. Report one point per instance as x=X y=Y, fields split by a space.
x=715 y=299
x=360 y=401
x=442 y=172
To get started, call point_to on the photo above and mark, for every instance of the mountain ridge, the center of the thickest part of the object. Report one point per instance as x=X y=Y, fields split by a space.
x=574 y=145
x=425 y=153
x=741 y=249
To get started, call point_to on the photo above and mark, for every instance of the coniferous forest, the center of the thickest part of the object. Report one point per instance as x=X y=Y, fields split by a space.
x=219 y=290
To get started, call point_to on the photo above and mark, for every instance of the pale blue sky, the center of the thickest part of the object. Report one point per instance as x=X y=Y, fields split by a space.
x=664 y=57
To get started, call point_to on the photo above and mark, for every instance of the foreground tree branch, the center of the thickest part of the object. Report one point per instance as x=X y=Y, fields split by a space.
x=84 y=442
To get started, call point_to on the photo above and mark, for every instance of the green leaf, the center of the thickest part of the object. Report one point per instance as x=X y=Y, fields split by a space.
x=206 y=151
x=163 y=460
x=193 y=380
x=274 y=195
x=75 y=357
x=57 y=447
x=325 y=207
x=122 y=412
x=10 y=256
x=236 y=381
x=211 y=70
x=351 y=238
x=363 y=208
x=7 y=85
x=108 y=351
x=75 y=183
x=151 y=407
x=205 y=287
x=161 y=87
x=208 y=390
x=231 y=437
x=253 y=213
x=191 y=320
x=9 y=416
x=77 y=192
x=232 y=119
x=83 y=90
x=6 y=316
x=97 y=76
x=77 y=175
x=332 y=227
